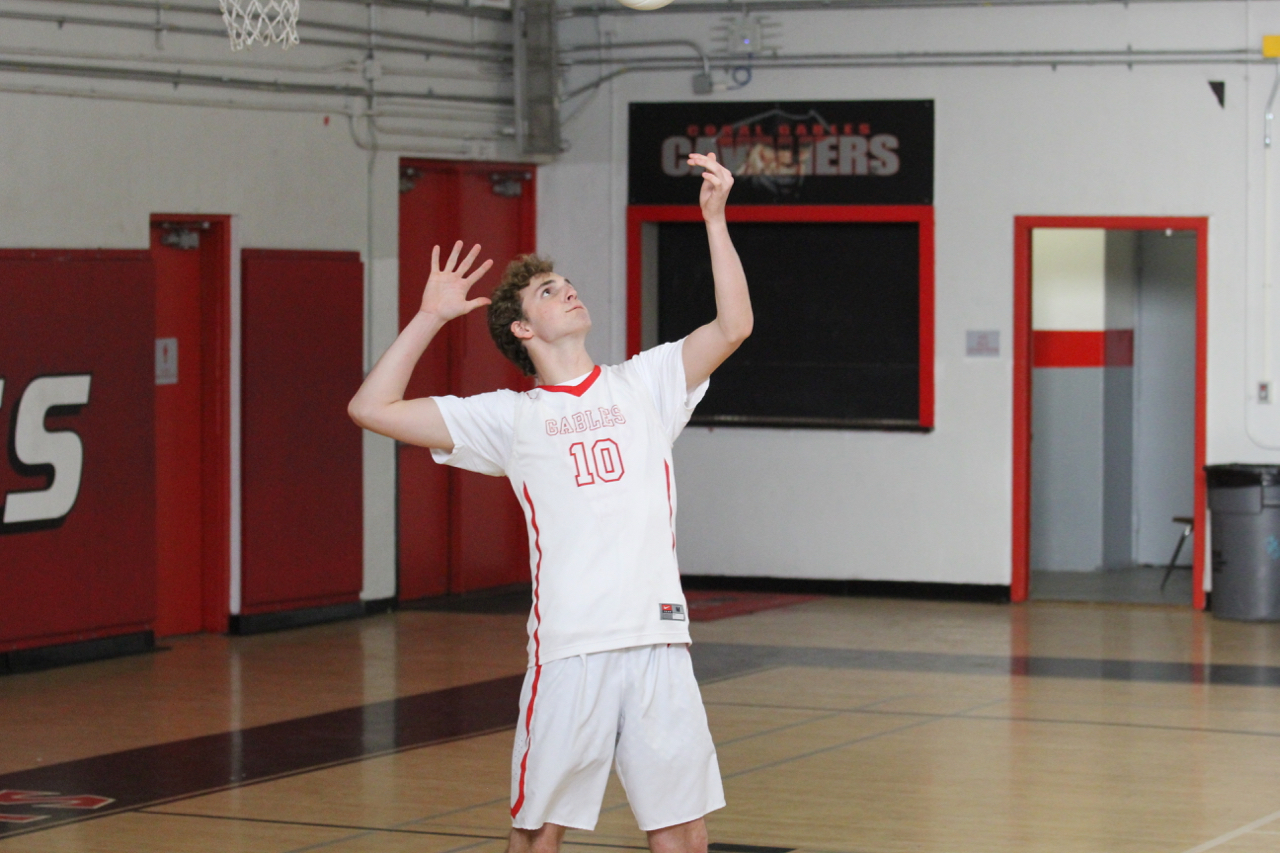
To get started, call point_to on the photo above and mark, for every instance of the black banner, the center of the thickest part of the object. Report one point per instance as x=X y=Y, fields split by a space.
x=786 y=152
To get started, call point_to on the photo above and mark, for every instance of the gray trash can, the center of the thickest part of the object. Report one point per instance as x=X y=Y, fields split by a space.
x=1245 y=502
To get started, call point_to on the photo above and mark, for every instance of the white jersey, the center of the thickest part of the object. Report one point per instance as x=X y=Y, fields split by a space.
x=590 y=463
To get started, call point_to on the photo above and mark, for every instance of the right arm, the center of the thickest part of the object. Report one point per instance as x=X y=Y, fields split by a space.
x=379 y=405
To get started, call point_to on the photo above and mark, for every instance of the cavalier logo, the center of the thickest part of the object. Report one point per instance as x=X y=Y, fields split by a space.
x=37 y=452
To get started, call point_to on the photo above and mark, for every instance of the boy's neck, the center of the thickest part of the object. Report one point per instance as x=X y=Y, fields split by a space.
x=558 y=365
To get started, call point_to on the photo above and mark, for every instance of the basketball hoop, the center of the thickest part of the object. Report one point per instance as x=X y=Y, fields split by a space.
x=264 y=21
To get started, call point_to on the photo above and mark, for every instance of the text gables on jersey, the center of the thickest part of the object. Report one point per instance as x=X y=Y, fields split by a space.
x=588 y=420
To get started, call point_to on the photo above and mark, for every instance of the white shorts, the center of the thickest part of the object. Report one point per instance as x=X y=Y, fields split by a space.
x=639 y=707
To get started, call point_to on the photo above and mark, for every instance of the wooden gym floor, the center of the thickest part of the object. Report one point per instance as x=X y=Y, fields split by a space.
x=843 y=725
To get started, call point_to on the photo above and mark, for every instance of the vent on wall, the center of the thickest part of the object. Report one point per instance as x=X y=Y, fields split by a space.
x=537 y=105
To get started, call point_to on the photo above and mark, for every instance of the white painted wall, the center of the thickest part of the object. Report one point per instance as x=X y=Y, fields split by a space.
x=1029 y=140
x=1068 y=279
x=1010 y=141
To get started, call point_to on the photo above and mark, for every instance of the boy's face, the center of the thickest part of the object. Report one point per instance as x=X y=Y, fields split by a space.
x=552 y=309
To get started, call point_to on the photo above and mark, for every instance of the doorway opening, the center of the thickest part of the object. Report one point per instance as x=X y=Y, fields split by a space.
x=192 y=255
x=1109 y=417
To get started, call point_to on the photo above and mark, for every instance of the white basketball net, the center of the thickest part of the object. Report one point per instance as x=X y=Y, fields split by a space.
x=264 y=21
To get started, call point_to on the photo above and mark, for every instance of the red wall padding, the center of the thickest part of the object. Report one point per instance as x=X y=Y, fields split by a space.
x=301 y=455
x=91 y=573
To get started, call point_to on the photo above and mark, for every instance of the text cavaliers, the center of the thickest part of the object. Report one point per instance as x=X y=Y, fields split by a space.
x=819 y=152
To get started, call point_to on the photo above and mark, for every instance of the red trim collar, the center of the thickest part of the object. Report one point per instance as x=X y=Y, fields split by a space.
x=579 y=389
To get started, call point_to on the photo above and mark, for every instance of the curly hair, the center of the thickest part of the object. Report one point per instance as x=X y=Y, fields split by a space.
x=507 y=307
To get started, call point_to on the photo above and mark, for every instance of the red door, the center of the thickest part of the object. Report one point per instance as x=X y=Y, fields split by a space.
x=459 y=531
x=176 y=254
x=192 y=257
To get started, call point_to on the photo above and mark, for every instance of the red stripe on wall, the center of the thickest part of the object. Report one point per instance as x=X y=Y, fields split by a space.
x=1068 y=349
x=1112 y=348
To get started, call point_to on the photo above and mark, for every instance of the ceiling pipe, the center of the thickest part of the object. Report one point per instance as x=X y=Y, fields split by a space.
x=751 y=6
x=427 y=6
x=348 y=66
x=177 y=79
x=625 y=45
x=954 y=59
x=430 y=45
x=928 y=60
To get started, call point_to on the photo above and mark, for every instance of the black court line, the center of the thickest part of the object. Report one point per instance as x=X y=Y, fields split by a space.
x=400 y=830
x=714 y=847
x=1001 y=718
x=182 y=769
x=714 y=661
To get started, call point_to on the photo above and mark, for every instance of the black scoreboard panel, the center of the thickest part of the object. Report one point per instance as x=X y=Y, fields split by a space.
x=837 y=322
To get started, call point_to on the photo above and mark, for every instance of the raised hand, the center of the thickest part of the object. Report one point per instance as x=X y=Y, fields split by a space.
x=445 y=296
x=716 y=183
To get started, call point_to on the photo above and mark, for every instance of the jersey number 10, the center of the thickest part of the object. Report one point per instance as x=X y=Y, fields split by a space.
x=607 y=459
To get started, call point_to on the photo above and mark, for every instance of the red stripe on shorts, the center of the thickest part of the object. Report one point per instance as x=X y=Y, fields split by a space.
x=528 y=738
x=671 y=510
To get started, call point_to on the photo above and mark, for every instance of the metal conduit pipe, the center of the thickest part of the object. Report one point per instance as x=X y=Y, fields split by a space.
x=752 y=6
x=274 y=107
x=452 y=49
x=433 y=7
x=177 y=79
x=494 y=114
x=398 y=108
x=926 y=60
x=170 y=100
x=496 y=132
x=625 y=45
x=600 y=81
x=463 y=145
x=349 y=66
x=1268 y=243
x=495 y=76
x=428 y=6
x=958 y=59
x=462 y=148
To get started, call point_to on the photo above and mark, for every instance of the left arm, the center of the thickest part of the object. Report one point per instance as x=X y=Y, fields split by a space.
x=708 y=346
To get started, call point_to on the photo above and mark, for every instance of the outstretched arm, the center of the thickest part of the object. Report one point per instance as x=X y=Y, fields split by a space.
x=379 y=405
x=708 y=346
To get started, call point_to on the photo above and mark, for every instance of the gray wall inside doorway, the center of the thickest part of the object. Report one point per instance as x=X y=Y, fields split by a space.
x=1113 y=450
x=1164 y=394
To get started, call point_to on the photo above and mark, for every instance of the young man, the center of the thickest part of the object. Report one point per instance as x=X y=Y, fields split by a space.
x=588 y=453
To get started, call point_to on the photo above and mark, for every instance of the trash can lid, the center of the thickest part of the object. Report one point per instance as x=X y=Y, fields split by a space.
x=1239 y=475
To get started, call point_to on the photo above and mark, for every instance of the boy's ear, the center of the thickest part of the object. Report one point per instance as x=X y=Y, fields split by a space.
x=521 y=330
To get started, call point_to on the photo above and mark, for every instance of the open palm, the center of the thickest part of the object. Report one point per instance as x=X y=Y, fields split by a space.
x=445 y=295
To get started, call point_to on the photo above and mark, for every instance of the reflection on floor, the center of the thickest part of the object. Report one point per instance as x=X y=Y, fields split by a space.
x=842 y=725
x=1131 y=585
